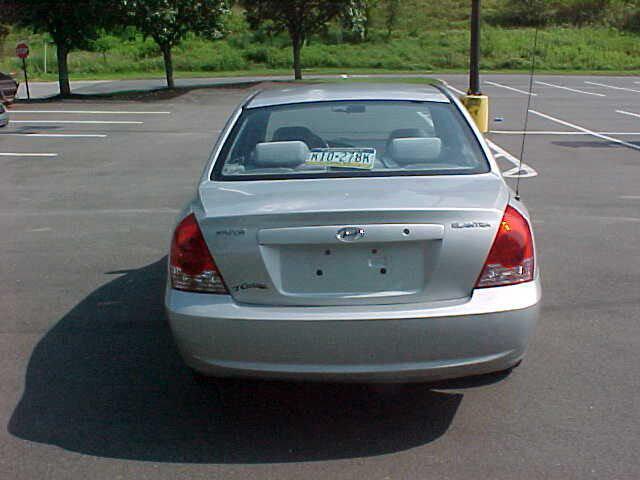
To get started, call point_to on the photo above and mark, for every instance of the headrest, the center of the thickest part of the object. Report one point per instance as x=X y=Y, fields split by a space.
x=407 y=133
x=405 y=151
x=288 y=134
x=280 y=154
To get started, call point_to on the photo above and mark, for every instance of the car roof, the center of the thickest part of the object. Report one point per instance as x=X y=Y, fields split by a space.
x=347 y=92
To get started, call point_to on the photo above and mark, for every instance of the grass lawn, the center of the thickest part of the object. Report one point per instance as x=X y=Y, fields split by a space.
x=134 y=75
x=588 y=50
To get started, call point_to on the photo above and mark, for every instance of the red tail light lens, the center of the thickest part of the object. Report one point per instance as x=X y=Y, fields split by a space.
x=191 y=265
x=510 y=260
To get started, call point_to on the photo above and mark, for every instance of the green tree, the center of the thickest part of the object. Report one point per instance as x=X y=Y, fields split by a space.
x=580 y=12
x=299 y=18
x=71 y=25
x=7 y=15
x=356 y=17
x=391 y=14
x=4 y=31
x=169 y=21
x=559 y=12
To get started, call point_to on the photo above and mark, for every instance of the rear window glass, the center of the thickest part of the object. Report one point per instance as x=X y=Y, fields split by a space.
x=345 y=139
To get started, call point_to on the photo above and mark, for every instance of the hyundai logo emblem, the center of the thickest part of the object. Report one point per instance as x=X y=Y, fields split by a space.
x=350 y=234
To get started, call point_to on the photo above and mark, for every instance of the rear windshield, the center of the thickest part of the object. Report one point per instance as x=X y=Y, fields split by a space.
x=349 y=139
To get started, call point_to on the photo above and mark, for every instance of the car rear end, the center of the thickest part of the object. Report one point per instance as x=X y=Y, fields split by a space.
x=4 y=116
x=8 y=88
x=418 y=266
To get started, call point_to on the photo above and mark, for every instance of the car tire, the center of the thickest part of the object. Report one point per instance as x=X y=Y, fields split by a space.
x=508 y=371
x=200 y=378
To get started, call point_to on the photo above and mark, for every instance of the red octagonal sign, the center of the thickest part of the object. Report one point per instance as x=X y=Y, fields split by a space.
x=22 y=50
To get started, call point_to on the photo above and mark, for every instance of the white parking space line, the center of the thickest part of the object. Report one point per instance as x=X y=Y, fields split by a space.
x=586 y=130
x=451 y=87
x=81 y=122
x=524 y=169
x=629 y=197
x=509 y=88
x=608 y=218
x=93 y=112
x=569 y=89
x=54 y=135
x=613 y=87
x=98 y=211
x=631 y=114
x=545 y=132
x=14 y=154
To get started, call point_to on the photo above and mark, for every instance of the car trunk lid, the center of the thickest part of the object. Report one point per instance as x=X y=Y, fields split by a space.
x=352 y=241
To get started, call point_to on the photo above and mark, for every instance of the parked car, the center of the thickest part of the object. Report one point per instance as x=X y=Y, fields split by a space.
x=352 y=232
x=4 y=116
x=8 y=88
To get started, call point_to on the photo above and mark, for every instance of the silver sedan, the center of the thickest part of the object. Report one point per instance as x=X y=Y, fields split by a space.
x=352 y=232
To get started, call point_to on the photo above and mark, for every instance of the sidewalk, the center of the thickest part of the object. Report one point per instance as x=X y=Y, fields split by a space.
x=42 y=90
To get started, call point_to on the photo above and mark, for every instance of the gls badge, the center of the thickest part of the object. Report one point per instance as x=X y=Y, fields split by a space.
x=232 y=232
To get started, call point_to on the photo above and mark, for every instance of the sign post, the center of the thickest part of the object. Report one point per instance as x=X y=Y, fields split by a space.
x=474 y=100
x=22 y=51
x=474 y=54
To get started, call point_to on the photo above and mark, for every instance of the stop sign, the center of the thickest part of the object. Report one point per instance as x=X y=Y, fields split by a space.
x=22 y=50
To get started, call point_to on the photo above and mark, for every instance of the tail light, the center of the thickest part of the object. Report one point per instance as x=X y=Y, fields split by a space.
x=191 y=265
x=511 y=258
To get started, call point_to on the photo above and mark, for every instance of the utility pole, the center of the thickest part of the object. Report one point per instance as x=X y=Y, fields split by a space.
x=477 y=104
x=474 y=53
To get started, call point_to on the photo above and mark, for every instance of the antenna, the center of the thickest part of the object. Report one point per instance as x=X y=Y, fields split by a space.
x=526 y=114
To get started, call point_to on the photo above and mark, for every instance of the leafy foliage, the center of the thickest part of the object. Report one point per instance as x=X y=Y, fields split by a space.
x=428 y=35
x=392 y=11
x=299 y=18
x=354 y=18
x=169 y=21
x=70 y=24
x=294 y=16
x=553 y=12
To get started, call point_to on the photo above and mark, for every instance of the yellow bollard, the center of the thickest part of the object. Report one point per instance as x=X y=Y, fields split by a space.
x=478 y=107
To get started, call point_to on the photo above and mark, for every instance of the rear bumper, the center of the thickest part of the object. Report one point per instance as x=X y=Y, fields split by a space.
x=8 y=94
x=488 y=332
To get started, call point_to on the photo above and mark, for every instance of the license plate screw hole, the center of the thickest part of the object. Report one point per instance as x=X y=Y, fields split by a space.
x=374 y=250
x=406 y=231
x=319 y=272
x=383 y=271
x=327 y=252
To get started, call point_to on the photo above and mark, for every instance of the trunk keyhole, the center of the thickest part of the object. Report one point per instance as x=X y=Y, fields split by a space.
x=406 y=231
x=319 y=273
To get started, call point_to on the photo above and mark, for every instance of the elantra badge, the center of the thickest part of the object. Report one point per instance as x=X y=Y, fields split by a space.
x=470 y=225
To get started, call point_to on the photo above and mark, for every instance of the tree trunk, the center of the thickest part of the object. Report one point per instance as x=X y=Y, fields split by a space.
x=63 y=70
x=296 y=41
x=168 y=66
x=367 y=22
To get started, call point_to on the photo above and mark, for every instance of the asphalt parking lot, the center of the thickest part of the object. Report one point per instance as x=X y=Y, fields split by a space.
x=92 y=386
